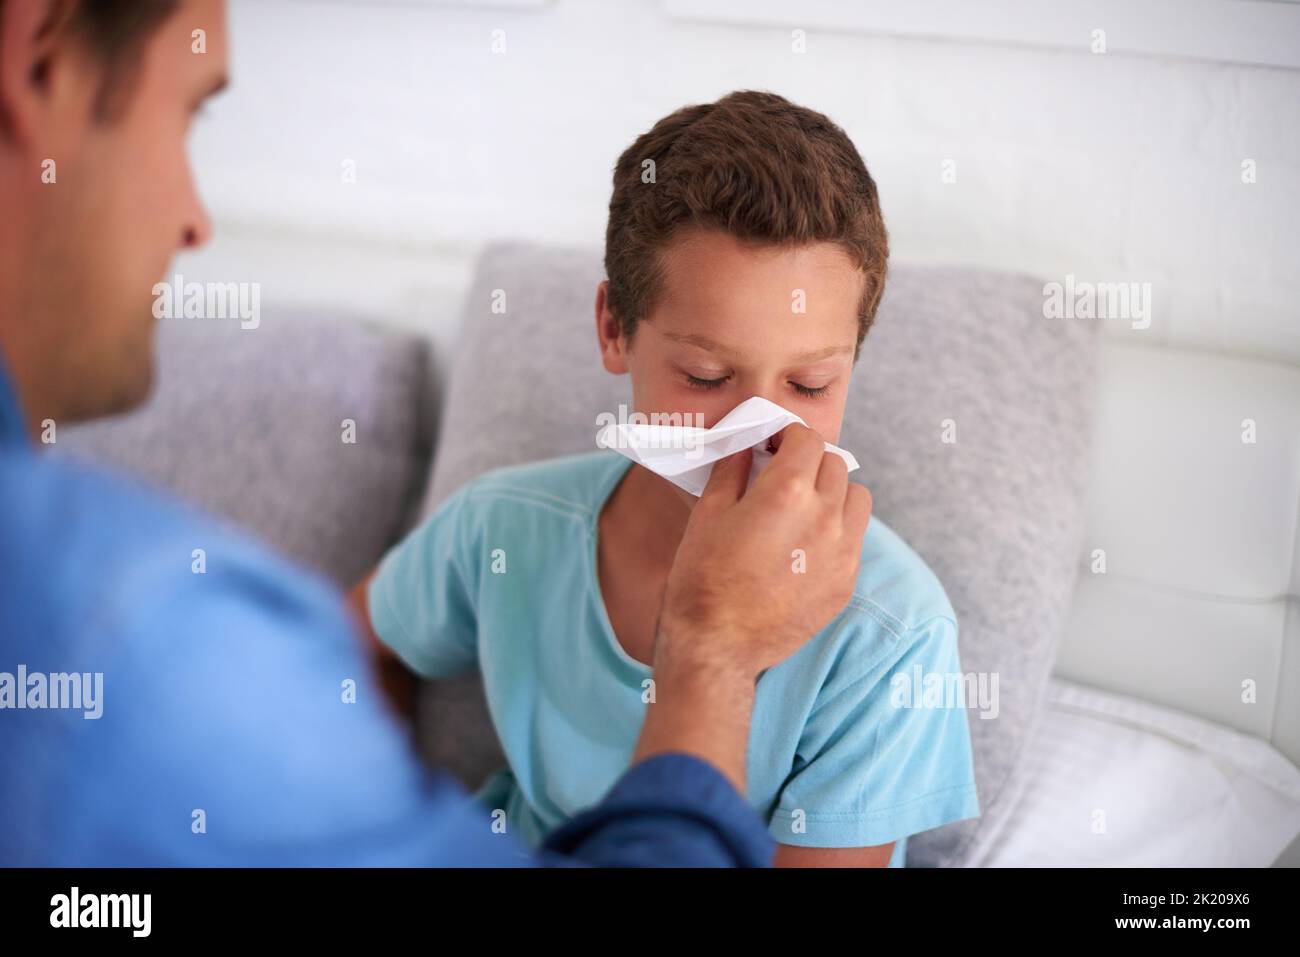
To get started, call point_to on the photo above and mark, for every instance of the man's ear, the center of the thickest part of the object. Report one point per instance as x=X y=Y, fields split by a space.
x=34 y=55
x=613 y=344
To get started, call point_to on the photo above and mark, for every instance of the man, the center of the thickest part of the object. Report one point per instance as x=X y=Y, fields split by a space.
x=207 y=725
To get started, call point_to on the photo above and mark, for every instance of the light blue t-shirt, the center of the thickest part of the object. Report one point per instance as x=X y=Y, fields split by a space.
x=851 y=744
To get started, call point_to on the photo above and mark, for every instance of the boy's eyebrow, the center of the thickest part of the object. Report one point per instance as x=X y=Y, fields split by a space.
x=826 y=353
x=704 y=342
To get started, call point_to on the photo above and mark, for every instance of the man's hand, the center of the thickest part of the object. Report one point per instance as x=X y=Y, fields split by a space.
x=757 y=574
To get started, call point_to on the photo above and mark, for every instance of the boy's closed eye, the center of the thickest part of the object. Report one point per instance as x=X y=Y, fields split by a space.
x=805 y=390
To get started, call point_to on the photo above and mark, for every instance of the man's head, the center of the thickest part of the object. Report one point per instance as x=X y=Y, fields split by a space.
x=746 y=256
x=96 y=100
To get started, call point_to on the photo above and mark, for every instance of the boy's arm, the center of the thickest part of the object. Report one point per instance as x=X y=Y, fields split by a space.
x=398 y=681
x=787 y=855
x=879 y=765
x=358 y=603
x=415 y=611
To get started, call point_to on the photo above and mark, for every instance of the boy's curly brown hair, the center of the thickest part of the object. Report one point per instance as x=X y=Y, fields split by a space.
x=755 y=166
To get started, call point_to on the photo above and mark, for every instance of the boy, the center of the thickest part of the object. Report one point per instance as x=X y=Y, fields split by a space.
x=746 y=255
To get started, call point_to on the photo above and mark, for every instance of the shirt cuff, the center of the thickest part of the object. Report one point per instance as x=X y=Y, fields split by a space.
x=674 y=810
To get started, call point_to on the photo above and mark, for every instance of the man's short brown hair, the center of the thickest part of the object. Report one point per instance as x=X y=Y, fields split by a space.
x=755 y=166
x=116 y=31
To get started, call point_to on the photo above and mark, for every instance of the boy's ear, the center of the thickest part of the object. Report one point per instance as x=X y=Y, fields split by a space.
x=613 y=344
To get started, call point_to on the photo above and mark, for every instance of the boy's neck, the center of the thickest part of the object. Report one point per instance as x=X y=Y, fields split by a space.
x=641 y=525
x=650 y=511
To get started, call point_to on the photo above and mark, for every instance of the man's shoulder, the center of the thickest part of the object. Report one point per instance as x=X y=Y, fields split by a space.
x=86 y=545
x=216 y=677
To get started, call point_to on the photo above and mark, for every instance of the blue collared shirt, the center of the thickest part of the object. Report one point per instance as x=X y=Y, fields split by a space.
x=155 y=710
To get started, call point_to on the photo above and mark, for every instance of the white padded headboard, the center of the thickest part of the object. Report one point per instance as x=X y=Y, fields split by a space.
x=1200 y=531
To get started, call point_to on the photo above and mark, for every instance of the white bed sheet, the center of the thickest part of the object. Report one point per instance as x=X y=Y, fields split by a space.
x=1112 y=781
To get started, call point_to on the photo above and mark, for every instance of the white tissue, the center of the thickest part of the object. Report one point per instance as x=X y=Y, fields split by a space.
x=685 y=455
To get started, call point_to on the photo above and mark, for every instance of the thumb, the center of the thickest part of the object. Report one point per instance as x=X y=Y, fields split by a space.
x=728 y=480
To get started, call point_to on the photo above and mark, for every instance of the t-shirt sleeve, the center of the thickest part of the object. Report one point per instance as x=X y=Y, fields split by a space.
x=422 y=599
x=878 y=759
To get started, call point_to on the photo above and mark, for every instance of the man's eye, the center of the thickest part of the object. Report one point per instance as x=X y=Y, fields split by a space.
x=810 y=392
x=697 y=383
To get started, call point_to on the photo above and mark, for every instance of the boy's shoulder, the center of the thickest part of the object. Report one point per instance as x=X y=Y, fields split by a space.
x=576 y=485
x=896 y=588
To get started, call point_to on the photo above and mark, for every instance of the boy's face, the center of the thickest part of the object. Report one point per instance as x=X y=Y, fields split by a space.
x=736 y=320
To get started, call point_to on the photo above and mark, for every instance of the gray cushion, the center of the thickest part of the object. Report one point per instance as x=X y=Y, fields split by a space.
x=246 y=423
x=998 y=515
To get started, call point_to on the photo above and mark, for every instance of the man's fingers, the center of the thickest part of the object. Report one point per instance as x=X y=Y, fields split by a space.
x=857 y=511
x=799 y=453
x=728 y=479
x=832 y=477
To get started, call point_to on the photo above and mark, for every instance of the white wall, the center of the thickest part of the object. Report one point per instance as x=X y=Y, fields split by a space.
x=1120 y=166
